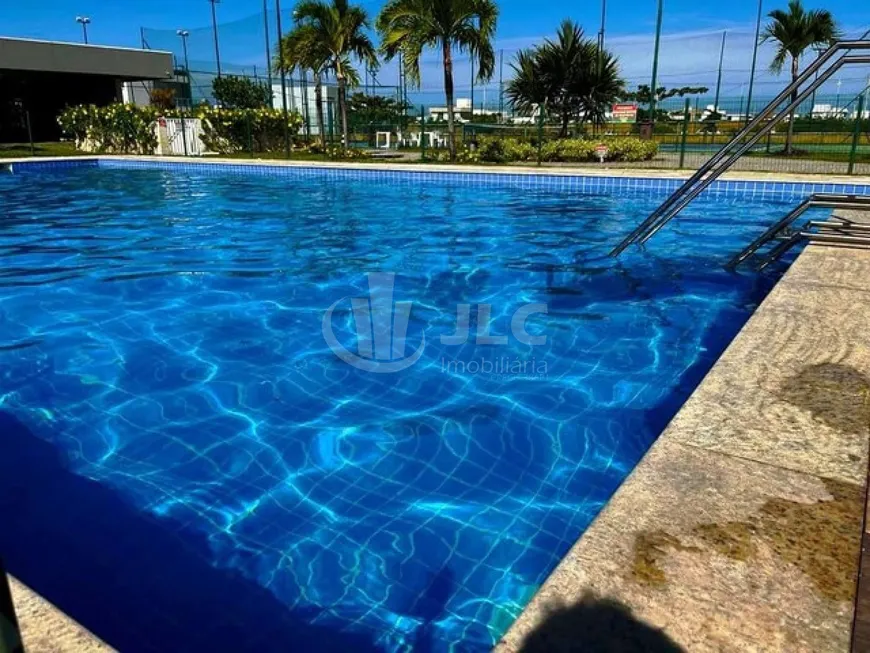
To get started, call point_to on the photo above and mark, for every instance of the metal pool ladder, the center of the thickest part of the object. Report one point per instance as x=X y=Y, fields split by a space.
x=764 y=122
x=836 y=230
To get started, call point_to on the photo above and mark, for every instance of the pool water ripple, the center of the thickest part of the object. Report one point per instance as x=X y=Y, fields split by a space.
x=162 y=331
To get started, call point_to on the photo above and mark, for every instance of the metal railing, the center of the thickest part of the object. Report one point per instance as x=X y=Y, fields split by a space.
x=816 y=200
x=726 y=157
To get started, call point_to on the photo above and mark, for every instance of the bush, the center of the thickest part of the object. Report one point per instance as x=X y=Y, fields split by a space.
x=492 y=149
x=163 y=98
x=631 y=149
x=238 y=130
x=241 y=93
x=337 y=152
x=114 y=129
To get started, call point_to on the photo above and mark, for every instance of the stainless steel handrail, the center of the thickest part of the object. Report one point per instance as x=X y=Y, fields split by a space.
x=641 y=229
x=818 y=200
x=683 y=201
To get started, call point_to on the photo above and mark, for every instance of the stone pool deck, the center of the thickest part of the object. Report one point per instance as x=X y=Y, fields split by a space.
x=45 y=629
x=741 y=529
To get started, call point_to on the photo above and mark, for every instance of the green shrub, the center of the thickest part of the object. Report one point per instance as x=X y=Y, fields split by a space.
x=234 y=92
x=238 y=130
x=493 y=149
x=631 y=149
x=115 y=129
x=337 y=152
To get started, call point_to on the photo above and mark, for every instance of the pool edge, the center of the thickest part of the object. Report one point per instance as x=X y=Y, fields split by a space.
x=604 y=171
x=705 y=543
x=44 y=627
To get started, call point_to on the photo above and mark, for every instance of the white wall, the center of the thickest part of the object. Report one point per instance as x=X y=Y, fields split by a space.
x=295 y=102
x=138 y=93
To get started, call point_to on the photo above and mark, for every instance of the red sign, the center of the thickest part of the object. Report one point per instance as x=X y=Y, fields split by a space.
x=624 y=113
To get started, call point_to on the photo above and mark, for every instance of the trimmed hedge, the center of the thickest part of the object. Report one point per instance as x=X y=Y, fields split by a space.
x=492 y=149
x=238 y=130
x=129 y=129
x=115 y=129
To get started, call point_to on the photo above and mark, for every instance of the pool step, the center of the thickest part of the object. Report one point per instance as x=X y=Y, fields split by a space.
x=837 y=230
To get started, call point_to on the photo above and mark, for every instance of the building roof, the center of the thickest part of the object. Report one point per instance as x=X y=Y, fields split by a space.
x=77 y=58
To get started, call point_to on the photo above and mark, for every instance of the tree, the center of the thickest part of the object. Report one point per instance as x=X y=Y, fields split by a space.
x=302 y=48
x=376 y=109
x=794 y=31
x=241 y=93
x=531 y=89
x=339 y=30
x=570 y=76
x=163 y=98
x=643 y=96
x=409 y=26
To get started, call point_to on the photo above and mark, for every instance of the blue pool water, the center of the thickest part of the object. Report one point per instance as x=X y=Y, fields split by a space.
x=187 y=465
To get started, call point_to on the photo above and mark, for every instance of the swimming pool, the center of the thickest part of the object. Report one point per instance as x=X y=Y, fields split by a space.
x=203 y=443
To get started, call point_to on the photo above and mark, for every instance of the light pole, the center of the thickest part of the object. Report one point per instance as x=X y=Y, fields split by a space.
x=655 y=70
x=268 y=46
x=601 y=36
x=84 y=21
x=839 y=84
x=819 y=51
x=183 y=34
x=719 y=78
x=754 y=60
x=217 y=49
x=282 y=72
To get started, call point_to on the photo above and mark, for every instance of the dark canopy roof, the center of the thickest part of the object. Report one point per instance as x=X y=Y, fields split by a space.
x=74 y=58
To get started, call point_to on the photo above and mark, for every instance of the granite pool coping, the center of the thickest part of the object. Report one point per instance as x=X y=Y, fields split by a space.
x=46 y=629
x=603 y=171
x=741 y=528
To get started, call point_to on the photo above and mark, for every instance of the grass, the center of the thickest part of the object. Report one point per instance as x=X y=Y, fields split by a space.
x=861 y=156
x=20 y=150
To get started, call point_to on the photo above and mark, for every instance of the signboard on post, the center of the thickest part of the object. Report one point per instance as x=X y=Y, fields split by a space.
x=601 y=152
x=624 y=113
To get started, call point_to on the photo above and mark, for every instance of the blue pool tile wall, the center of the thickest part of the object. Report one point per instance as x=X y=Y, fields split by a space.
x=749 y=189
x=188 y=465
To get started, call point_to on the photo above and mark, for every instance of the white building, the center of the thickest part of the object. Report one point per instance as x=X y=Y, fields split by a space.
x=829 y=111
x=304 y=100
x=462 y=112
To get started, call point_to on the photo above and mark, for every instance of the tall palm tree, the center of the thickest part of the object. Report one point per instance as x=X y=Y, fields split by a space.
x=794 y=31
x=339 y=27
x=409 y=26
x=302 y=49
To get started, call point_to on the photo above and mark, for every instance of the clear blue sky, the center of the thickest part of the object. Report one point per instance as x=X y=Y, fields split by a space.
x=118 y=21
x=690 y=51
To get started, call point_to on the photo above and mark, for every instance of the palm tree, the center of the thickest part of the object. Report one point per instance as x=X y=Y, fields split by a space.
x=794 y=31
x=339 y=28
x=599 y=85
x=409 y=26
x=302 y=49
x=570 y=75
x=531 y=89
